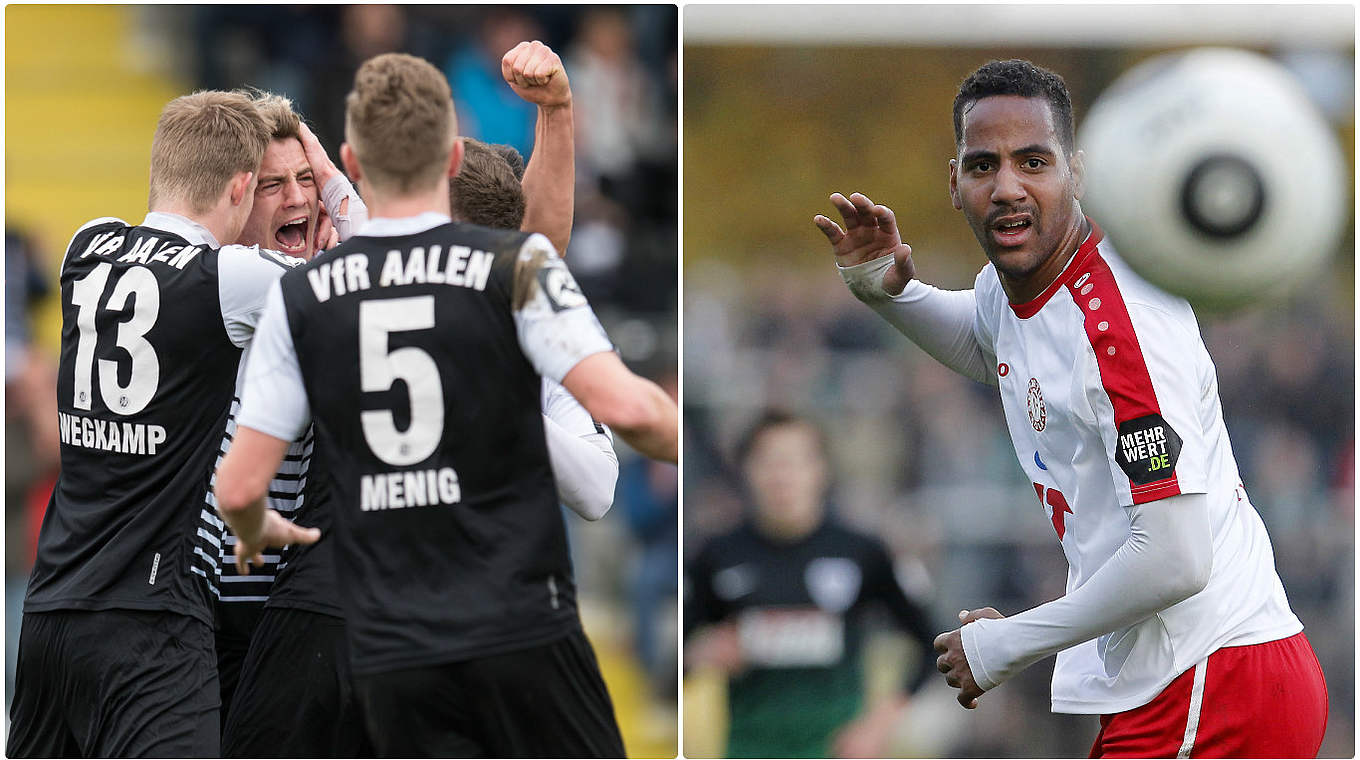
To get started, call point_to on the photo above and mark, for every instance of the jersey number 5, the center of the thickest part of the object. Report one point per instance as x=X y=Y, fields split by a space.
x=144 y=377
x=379 y=368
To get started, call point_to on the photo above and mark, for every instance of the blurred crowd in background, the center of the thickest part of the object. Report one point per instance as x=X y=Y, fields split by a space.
x=621 y=63
x=921 y=456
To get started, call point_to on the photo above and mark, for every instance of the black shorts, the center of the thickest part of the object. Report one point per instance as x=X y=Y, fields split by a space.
x=235 y=622
x=114 y=683
x=295 y=698
x=544 y=701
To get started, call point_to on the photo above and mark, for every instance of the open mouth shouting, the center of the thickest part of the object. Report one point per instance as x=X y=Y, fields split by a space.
x=291 y=236
x=1012 y=230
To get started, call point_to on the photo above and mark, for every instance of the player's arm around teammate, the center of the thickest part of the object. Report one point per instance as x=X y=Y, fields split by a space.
x=633 y=406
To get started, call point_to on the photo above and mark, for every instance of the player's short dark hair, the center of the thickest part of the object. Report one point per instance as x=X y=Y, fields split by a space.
x=1017 y=77
x=773 y=418
x=512 y=157
x=278 y=113
x=486 y=189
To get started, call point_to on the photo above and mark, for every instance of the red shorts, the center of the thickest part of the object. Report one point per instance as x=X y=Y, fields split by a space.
x=1263 y=700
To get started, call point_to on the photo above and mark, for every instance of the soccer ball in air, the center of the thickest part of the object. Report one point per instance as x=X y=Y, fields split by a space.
x=1215 y=176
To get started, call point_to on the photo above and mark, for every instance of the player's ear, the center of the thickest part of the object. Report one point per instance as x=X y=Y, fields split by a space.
x=954 y=184
x=350 y=162
x=240 y=187
x=456 y=156
x=1078 y=166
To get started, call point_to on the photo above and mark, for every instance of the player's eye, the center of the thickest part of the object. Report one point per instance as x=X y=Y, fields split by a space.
x=982 y=166
x=304 y=179
x=1034 y=163
x=268 y=187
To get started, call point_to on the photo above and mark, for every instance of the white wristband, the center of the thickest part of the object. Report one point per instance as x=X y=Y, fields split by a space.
x=865 y=280
x=335 y=192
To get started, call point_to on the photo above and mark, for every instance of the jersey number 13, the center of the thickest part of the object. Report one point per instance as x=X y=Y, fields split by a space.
x=140 y=284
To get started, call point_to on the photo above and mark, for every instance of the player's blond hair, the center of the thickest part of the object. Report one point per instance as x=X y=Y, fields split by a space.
x=399 y=122
x=202 y=141
x=279 y=116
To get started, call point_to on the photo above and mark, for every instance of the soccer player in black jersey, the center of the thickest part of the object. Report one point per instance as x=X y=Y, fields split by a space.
x=296 y=697
x=116 y=648
x=779 y=605
x=451 y=553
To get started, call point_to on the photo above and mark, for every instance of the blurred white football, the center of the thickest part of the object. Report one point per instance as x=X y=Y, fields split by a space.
x=1215 y=176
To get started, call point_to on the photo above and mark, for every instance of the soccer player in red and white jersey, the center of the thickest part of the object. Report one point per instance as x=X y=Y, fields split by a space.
x=1175 y=627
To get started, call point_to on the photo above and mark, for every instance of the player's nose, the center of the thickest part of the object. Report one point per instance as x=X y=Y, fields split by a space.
x=292 y=193
x=1007 y=186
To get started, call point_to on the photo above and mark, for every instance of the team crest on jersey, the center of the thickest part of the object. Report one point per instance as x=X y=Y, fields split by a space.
x=560 y=287
x=833 y=583
x=734 y=582
x=1034 y=405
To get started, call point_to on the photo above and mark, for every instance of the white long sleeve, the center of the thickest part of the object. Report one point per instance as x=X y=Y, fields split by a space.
x=348 y=224
x=585 y=468
x=940 y=322
x=581 y=452
x=1166 y=559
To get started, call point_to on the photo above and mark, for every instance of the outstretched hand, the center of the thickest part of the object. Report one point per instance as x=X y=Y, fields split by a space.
x=870 y=232
x=275 y=530
x=535 y=73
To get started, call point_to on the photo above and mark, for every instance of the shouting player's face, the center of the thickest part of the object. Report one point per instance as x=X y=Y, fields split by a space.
x=787 y=474
x=1019 y=190
x=286 y=202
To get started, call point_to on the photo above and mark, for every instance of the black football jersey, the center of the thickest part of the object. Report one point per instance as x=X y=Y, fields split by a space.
x=151 y=340
x=799 y=608
x=449 y=543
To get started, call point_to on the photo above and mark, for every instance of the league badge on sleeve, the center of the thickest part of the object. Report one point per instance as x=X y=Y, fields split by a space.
x=1147 y=449
x=559 y=286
